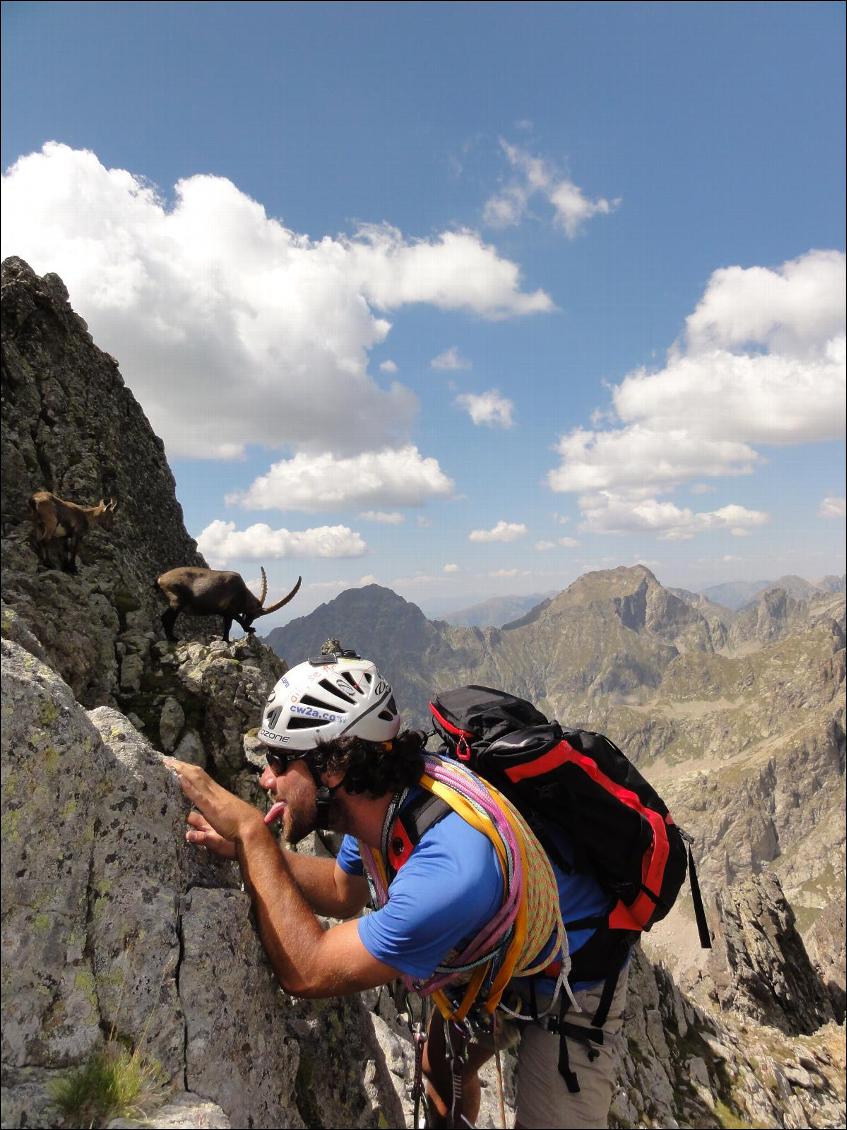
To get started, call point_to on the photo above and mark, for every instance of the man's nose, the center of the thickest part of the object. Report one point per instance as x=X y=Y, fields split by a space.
x=267 y=778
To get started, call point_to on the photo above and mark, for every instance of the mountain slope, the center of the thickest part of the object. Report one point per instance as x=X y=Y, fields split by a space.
x=71 y=426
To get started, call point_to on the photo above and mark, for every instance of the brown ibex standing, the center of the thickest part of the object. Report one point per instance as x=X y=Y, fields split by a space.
x=56 y=520
x=213 y=592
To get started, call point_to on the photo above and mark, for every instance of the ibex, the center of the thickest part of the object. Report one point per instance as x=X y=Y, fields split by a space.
x=56 y=520
x=212 y=592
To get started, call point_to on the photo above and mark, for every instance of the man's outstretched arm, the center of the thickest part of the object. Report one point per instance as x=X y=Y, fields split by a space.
x=308 y=960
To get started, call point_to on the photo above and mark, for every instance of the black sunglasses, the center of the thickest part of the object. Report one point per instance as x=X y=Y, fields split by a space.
x=278 y=763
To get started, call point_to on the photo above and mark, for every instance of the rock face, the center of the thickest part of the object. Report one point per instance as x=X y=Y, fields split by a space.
x=112 y=924
x=71 y=426
x=825 y=942
x=759 y=966
x=686 y=1066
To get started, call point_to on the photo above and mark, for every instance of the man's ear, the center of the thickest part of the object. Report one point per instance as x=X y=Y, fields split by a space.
x=334 y=778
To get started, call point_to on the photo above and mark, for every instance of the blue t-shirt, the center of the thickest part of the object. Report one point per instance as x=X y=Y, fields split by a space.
x=444 y=894
x=449 y=888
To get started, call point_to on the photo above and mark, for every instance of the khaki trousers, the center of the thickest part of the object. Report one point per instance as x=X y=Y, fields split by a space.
x=543 y=1099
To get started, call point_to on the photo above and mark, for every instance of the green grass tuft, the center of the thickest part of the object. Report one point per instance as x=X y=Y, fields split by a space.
x=114 y=1083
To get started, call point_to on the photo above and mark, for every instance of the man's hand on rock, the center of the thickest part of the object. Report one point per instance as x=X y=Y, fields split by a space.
x=222 y=819
x=201 y=833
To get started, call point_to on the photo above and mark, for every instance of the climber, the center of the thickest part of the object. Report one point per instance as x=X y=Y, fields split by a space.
x=468 y=904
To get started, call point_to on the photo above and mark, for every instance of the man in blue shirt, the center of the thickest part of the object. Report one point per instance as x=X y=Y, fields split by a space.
x=336 y=760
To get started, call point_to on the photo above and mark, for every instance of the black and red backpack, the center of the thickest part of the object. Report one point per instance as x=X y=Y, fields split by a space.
x=580 y=781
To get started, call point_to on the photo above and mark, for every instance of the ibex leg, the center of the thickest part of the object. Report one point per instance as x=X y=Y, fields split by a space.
x=168 y=620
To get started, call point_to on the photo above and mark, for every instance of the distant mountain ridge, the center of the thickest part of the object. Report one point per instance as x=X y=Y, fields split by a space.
x=497 y=612
x=736 y=594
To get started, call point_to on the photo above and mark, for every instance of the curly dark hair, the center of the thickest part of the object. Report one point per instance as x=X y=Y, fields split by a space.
x=374 y=768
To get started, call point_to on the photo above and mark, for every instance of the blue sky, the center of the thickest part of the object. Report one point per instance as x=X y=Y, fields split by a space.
x=467 y=299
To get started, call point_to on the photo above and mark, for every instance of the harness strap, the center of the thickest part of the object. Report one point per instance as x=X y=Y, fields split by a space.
x=697 y=898
x=609 y=986
x=456 y=1047
x=410 y=825
x=591 y=921
x=569 y=1076
x=418 y=1085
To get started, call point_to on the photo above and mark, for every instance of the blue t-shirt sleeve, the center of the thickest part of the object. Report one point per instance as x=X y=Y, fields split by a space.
x=450 y=887
x=348 y=858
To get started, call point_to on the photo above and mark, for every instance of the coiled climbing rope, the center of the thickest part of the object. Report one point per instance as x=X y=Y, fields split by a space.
x=515 y=941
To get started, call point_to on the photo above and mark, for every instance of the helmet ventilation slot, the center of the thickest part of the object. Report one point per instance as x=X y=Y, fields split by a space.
x=390 y=712
x=330 y=689
x=310 y=700
x=305 y=723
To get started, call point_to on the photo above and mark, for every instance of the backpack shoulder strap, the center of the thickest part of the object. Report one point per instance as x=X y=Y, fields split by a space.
x=409 y=825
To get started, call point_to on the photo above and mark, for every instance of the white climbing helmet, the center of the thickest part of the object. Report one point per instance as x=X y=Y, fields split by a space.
x=329 y=697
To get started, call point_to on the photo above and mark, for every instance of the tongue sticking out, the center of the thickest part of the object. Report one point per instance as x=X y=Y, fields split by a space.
x=275 y=812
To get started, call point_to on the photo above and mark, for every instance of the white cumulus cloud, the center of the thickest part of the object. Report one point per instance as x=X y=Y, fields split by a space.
x=452 y=567
x=534 y=176
x=455 y=271
x=503 y=531
x=640 y=457
x=488 y=408
x=221 y=542
x=762 y=362
x=450 y=360
x=567 y=543
x=229 y=327
x=606 y=513
x=393 y=477
x=831 y=508
x=388 y=366
x=790 y=310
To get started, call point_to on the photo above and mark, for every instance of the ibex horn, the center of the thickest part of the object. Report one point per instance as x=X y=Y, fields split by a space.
x=285 y=599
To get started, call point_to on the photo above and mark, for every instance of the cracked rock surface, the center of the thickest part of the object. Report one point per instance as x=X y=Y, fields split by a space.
x=113 y=925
